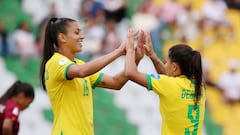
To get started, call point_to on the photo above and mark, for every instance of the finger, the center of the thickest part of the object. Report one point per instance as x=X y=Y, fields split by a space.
x=131 y=33
x=141 y=40
x=146 y=48
x=124 y=42
x=142 y=36
x=148 y=39
x=130 y=38
x=136 y=32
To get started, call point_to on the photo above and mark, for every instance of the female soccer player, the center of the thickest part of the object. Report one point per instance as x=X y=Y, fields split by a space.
x=178 y=84
x=16 y=99
x=69 y=81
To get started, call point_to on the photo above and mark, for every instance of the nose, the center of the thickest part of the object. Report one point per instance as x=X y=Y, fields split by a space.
x=82 y=36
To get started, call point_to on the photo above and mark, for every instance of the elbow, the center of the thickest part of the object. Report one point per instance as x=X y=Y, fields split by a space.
x=118 y=86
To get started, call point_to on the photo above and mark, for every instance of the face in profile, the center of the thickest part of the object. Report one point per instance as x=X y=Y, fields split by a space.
x=24 y=101
x=168 y=66
x=74 y=37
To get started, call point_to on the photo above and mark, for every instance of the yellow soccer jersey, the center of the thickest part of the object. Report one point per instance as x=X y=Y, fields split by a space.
x=179 y=115
x=71 y=99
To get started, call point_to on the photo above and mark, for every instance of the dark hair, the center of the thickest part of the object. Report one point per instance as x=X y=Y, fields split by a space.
x=190 y=64
x=53 y=28
x=15 y=89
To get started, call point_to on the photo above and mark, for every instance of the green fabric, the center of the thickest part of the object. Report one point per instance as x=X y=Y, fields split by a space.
x=149 y=85
x=98 y=80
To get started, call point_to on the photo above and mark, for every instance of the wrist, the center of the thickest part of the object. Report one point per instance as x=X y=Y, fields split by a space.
x=153 y=56
x=130 y=51
x=118 y=52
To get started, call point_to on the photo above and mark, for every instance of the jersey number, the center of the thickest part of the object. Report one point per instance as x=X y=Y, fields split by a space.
x=85 y=92
x=193 y=116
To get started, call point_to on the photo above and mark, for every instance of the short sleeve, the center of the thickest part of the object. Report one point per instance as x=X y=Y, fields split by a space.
x=95 y=79
x=161 y=84
x=57 y=68
x=12 y=112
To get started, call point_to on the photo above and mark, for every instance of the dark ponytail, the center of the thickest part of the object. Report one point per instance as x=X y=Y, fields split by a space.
x=196 y=68
x=17 y=88
x=190 y=64
x=53 y=28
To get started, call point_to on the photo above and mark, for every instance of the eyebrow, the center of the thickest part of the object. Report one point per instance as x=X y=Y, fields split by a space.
x=78 y=30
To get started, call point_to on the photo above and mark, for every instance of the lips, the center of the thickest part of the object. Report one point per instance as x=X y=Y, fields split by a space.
x=80 y=43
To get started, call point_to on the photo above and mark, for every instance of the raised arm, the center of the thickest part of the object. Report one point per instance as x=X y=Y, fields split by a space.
x=95 y=65
x=117 y=81
x=130 y=66
x=158 y=64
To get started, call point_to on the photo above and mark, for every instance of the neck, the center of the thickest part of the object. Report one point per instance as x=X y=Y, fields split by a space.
x=177 y=73
x=14 y=99
x=67 y=53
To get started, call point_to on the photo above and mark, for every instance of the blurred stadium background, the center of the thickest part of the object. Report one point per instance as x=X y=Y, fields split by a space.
x=210 y=26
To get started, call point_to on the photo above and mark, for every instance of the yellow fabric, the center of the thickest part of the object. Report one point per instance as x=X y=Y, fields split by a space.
x=222 y=113
x=71 y=99
x=177 y=106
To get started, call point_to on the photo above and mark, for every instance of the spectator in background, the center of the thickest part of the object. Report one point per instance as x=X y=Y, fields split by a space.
x=152 y=7
x=115 y=9
x=187 y=23
x=92 y=8
x=16 y=99
x=229 y=82
x=233 y=4
x=42 y=27
x=52 y=13
x=146 y=13
x=142 y=15
x=214 y=12
x=94 y=34
x=3 y=40
x=169 y=11
x=25 y=43
x=111 y=40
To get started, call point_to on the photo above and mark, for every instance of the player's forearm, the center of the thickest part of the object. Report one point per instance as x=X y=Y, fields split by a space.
x=120 y=79
x=130 y=65
x=97 y=64
x=158 y=64
x=105 y=60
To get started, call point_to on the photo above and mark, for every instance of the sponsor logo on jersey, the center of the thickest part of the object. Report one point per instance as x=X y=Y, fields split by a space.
x=156 y=76
x=63 y=61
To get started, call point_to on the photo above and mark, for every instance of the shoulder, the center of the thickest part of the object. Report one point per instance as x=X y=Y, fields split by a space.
x=12 y=108
x=161 y=79
x=58 y=59
x=11 y=104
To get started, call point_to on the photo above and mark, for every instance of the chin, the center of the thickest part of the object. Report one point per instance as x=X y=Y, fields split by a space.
x=79 y=50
